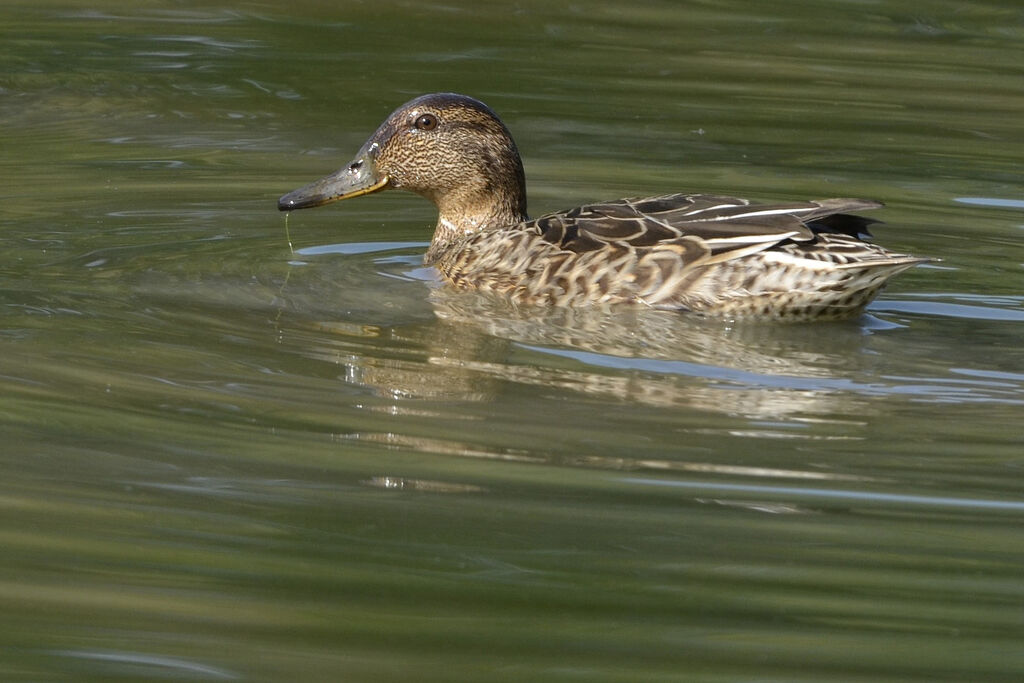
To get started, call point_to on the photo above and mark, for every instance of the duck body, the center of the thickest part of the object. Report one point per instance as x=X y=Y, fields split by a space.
x=707 y=254
x=717 y=256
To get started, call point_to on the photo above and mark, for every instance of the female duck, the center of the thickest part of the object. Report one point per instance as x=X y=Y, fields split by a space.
x=712 y=255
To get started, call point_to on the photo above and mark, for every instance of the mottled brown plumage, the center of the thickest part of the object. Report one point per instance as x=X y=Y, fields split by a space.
x=708 y=254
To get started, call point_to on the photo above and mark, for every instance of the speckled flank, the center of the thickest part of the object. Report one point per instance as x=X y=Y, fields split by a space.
x=703 y=263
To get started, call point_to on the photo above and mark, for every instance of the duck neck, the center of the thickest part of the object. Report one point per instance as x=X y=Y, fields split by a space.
x=460 y=217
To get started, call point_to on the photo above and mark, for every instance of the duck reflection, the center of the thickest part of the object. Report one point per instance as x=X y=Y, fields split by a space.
x=477 y=344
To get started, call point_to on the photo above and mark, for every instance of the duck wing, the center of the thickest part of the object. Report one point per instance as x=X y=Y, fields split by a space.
x=725 y=227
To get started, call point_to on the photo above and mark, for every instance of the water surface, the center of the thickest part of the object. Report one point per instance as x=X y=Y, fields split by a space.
x=228 y=457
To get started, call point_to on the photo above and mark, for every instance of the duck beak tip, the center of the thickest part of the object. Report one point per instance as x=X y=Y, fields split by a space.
x=358 y=178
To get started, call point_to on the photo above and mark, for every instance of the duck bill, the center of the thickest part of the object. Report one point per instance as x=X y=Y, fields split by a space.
x=358 y=178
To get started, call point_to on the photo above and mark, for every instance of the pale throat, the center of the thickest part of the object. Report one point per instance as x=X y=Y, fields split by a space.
x=455 y=227
x=470 y=214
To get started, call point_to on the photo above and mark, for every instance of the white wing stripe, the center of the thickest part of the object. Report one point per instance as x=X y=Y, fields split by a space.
x=712 y=208
x=750 y=239
x=770 y=212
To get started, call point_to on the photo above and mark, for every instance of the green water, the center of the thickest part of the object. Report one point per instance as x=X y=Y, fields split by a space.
x=225 y=460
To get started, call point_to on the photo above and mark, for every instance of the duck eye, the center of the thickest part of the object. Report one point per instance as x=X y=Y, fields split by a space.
x=426 y=122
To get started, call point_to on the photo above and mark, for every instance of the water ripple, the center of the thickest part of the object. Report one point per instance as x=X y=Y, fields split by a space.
x=154 y=662
x=841 y=494
x=923 y=389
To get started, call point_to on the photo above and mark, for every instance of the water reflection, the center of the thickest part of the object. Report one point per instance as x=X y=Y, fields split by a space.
x=478 y=342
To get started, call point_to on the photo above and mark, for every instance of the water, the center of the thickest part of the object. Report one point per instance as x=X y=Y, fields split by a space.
x=227 y=460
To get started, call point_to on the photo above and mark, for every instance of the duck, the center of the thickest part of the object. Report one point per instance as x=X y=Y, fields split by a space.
x=707 y=254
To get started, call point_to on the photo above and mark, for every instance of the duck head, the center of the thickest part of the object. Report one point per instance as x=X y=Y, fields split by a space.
x=449 y=148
